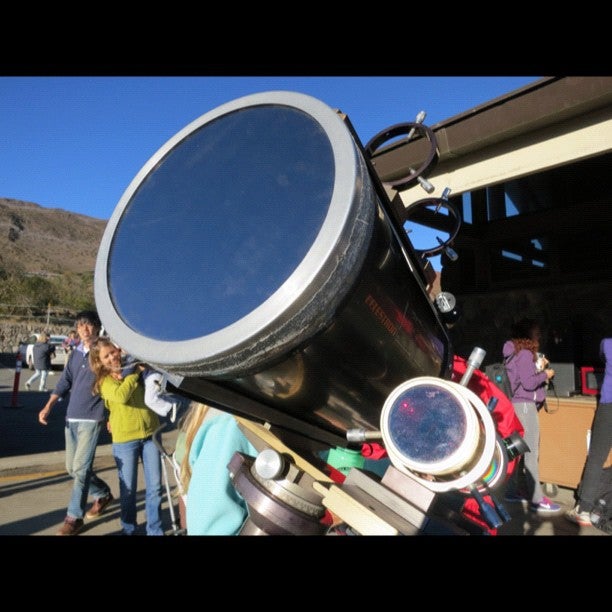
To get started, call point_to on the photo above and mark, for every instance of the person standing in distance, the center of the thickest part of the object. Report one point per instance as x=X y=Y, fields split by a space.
x=70 y=343
x=42 y=352
x=528 y=374
x=596 y=481
x=85 y=418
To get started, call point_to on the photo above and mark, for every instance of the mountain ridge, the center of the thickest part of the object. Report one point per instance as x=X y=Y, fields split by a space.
x=47 y=241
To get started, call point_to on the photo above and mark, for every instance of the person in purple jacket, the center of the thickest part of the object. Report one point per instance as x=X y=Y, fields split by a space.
x=596 y=479
x=528 y=377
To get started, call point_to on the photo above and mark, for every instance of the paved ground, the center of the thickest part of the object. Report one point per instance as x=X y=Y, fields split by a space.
x=34 y=487
x=34 y=503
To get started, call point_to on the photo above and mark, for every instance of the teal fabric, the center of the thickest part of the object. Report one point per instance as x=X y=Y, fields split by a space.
x=213 y=505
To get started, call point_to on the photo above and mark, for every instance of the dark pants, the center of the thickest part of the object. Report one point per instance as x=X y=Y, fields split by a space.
x=596 y=478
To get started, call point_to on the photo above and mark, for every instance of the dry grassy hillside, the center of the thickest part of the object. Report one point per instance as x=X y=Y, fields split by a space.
x=47 y=241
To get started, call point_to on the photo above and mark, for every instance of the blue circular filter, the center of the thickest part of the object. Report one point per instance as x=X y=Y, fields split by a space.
x=427 y=424
x=235 y=225
x=247 y=203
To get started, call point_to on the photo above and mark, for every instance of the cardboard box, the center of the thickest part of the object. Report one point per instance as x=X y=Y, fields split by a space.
x=564 y=437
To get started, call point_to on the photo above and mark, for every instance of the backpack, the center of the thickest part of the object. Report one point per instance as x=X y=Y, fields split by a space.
x=498 y=375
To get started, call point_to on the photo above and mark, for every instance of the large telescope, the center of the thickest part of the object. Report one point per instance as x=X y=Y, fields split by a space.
x=256 y=260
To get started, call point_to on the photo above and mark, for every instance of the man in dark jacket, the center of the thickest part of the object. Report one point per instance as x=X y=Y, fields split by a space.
x=84 y=421
x=42 y=352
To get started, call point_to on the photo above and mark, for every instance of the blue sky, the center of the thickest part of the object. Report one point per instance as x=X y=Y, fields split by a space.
x=76 y=142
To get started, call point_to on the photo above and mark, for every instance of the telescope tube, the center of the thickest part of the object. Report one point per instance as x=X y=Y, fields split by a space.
x=255 y=253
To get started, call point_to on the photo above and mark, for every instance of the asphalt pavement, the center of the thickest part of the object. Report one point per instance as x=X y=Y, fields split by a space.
x=35 y=488
x=34 y=485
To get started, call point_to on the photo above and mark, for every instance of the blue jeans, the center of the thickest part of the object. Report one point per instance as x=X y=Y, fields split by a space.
x=126 y=456
x=81 y=441
x=43 y=379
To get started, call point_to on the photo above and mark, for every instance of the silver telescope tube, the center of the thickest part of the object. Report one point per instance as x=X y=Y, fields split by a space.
x=254 y=259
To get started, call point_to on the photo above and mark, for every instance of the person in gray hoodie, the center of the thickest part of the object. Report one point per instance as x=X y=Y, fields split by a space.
x=528 y=377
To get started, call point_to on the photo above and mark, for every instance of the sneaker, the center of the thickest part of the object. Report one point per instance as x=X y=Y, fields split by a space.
x=545 y=506
x=98 y=507
x=28 y=386
x=575 y=515
x=70 y=527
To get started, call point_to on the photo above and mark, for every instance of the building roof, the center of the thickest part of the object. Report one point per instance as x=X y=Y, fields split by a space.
x=546 y=102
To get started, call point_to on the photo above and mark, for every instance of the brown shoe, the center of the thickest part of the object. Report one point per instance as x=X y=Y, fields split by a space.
x=70 y=527
x=97 y=508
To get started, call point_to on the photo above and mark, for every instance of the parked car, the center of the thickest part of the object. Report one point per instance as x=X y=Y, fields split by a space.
x=27 y=355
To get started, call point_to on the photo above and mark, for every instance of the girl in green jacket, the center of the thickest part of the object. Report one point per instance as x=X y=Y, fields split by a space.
x=131 y=425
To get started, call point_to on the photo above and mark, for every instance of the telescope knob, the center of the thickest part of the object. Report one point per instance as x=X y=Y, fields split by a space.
x=269 y=464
